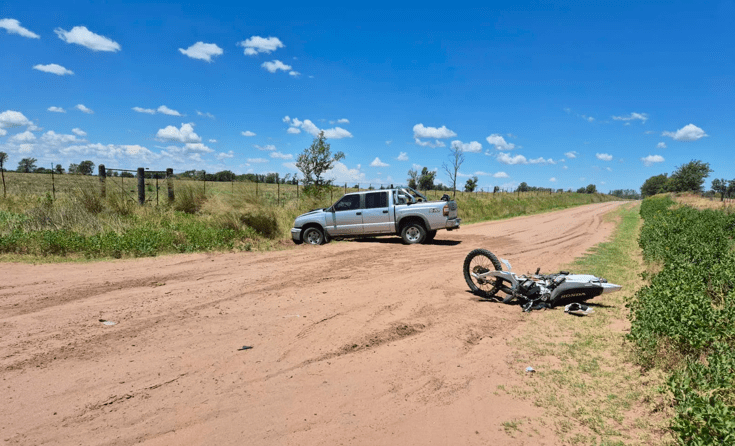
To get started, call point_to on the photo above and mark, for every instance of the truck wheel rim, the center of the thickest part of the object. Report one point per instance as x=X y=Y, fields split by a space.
x=413 y=233
x=313 y=237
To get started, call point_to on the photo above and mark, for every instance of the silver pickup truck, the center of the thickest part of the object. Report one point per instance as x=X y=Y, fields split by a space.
x=400 y=211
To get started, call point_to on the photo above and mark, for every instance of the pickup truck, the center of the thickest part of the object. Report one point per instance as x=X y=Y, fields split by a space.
x=401 y=211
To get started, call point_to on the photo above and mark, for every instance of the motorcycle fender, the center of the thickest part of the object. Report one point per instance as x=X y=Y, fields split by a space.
x=576 y=291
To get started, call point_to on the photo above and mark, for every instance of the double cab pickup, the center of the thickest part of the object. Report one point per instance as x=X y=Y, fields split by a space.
x=402 y=211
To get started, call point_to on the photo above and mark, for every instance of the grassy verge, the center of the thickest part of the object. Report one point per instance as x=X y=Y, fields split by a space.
x=585 y=378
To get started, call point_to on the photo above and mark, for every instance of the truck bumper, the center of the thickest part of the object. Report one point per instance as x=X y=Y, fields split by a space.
x=453 y=224
x=296 y=234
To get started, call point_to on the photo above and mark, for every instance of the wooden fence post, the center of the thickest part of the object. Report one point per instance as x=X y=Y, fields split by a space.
x=204 y=175
x=53 y=183
x=141 y=186
x=170 y=184
x=278 y=185
x=102 y=173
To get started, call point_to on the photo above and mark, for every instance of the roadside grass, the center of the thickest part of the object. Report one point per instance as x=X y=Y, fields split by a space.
x=585 y=378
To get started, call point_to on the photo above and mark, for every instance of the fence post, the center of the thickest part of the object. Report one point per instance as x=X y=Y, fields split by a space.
x=345 y=187
x=204 y=175
x=170 y=184
x=297 y=190
x=141 y=186
x=256 y=186
x=278 y=185
x=53 y=183
x=102 y=174
x=331 y=189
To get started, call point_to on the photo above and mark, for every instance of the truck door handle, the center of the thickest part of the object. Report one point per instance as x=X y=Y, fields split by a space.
x=385 y=212
x=359 y=213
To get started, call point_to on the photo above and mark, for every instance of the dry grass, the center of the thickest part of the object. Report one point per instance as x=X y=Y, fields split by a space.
x=699 y=202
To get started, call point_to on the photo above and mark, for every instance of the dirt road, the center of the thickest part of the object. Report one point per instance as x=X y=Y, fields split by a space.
x=356 y=342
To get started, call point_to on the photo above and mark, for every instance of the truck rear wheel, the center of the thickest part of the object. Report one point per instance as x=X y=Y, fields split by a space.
x=413 y=233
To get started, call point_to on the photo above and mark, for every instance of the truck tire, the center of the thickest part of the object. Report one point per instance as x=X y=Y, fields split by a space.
x=430 y=236
x=313 y=236
x=413 y=233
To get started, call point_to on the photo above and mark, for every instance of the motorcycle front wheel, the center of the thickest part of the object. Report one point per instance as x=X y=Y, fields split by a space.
x=480 y=261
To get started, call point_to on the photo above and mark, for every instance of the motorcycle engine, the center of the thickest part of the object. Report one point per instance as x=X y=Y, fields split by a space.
x=533 y=290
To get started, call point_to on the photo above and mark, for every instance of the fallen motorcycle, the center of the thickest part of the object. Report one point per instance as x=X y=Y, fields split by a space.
x=484 y=274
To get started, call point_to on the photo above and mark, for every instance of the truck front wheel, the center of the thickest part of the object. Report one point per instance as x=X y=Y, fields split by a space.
x=313 y=236
x=413 y=233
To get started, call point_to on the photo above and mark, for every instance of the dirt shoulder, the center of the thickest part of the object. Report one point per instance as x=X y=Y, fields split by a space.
x=356 y=342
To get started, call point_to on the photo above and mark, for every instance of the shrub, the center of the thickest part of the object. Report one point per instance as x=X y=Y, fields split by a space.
x=189 y=199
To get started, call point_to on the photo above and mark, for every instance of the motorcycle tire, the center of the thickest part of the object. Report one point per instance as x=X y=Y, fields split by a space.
x=484 y=261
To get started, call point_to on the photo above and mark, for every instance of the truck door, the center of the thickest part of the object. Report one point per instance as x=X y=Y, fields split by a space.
x=376 y=217
x=346 y=217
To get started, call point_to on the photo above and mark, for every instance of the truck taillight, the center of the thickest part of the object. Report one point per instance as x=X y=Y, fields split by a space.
x=446 y=210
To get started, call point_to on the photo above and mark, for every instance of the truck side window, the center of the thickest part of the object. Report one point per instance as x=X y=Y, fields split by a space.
x=376 y=200
x=348 y=203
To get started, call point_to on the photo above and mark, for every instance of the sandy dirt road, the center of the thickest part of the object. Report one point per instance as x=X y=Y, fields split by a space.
x=356 y=342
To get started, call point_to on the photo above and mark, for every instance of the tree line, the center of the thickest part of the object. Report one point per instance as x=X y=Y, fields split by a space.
x=689 y=177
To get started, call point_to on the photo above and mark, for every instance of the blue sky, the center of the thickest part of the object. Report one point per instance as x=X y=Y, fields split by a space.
x=556 y=94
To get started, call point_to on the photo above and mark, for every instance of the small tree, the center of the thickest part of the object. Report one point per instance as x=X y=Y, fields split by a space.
x=471 y=184
x=689 y=177
x=581 y=190
x=655 y=185
x=730 y=188
x=523 y=187
x=719 y=185
x=591 y=189
x=413 y=179
x=27 y=165
x=426 y=180
x=58 y=169
x=456 y=156
x=85 y=168
x=316 y=160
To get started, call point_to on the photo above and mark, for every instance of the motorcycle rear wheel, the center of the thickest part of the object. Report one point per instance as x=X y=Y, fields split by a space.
x=480 y=261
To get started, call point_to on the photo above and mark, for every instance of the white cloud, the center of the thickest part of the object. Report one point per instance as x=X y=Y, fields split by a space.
x=53 y=68
x=416 y=167
x=196 y=147
x=552 y=179
x=52 y=138
x=403 y=156
x=275 y=65
x=436 y=143
x=167 y=111
x=10 y=118
x=207 y=114
x=86 y=38
x=689 y=132
x=83 y=109
x=343 y=121
x=202 y=51
x=505 y=158
x=185 y=134
x=651 y=159
x=268 y=147
x=499 y=142
x=150 y=111
x=571 y=154
x=79 y=132
x=377 y=163
x=26 y=148
x=26 y=136
x=541 y=160
x=293 y=130
x=470 y=147
x=604 y=156
x=283 y=156
x=222 y=155
x=387 y=143
x=419 y=131
x=110 y=151
x=213 y=140
x=294 y=73
x=3 y=132
x=312 y=129
x=661 y=145
x=286 y=119
x=12 y=26
x=257 y=44
x=341 y=173
x=633 y=116
x=500 y=175
x=608 y=169
x=247 y=133
x=257 y=160
x=56 y=109
x=565 y=167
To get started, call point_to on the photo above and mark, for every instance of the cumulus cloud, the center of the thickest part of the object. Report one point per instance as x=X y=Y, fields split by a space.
x=202 y=51
x=222 y=155
x=541 y=160
x=184 y=134
x=83 y=109
x=12 y=26
x=651 y=159
x=212 y=140
x=294 y=73
x=661 y=145
x=150 y=111
x=471 y=147
x=500 y=175
x=419 y=131
x=26 y=136
x=247 y=133
x=310 y=128
x=571 y=154
x=110 y=151
x=56 y=109
x=53 y=68
x=436 y=143
x=207 y=114
x=86 y=38
x=505 y=158
x=26 y=148
x=552 y=179
x=689 y=132
x=632 y=117
x=275 y=65
x=167 y=111
x=286 y=119
x=403 y=156
x=269 y=147
x=343 y=121
x=257 y=44
x=79 y=132
x=11 y=118
x=377 y=163
x=52 y=138
x=341 y=173
x=3 y=132
x=499 y=142
x=257 y=160
x=283 y=156
x=604 y=156
x=293 y=130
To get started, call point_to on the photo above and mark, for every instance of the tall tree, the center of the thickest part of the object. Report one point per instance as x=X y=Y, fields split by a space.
x=471 y=184
x=523 y=187
x=591 y=189
x=27 y=165
x=426 y=180
x=689 y=177
x=719 y=186
x=316 y=160
x=456 y=157
x=655 y=185
x=413 y=179
x=85 y=168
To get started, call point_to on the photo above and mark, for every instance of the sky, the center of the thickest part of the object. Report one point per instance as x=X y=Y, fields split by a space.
x=554 y=94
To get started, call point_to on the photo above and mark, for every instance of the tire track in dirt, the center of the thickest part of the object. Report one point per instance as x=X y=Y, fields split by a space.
x=388 y=346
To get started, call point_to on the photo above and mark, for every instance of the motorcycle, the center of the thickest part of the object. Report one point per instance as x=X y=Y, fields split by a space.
x=484 y=274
